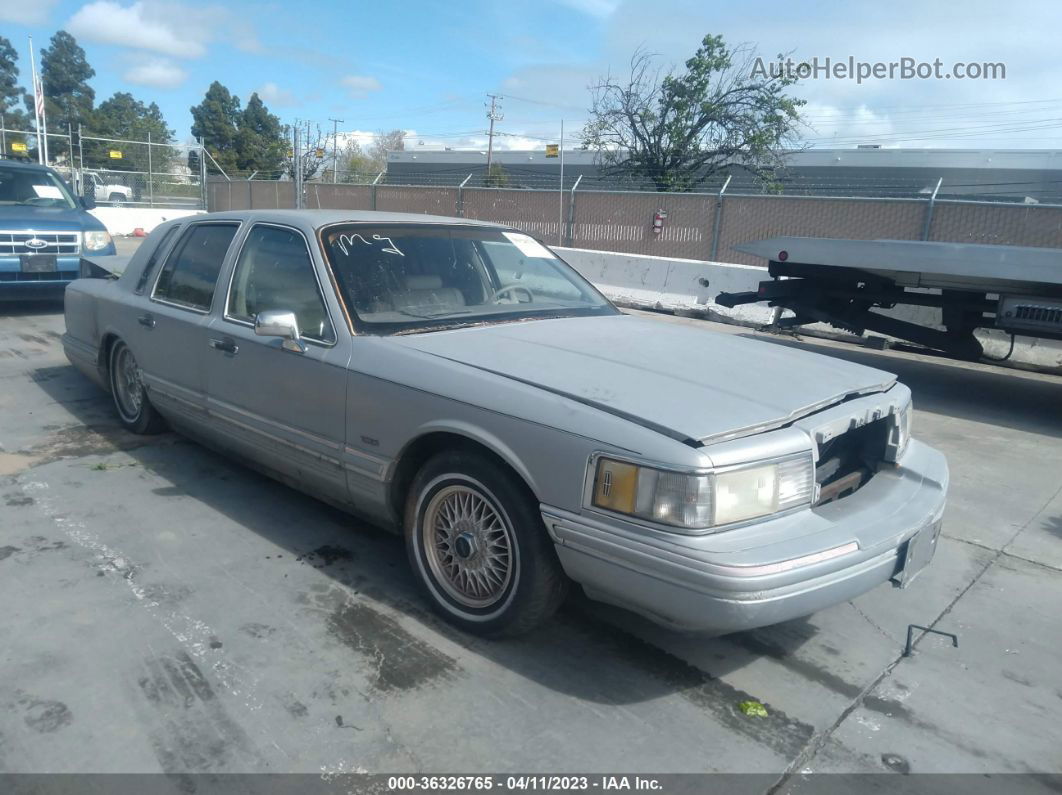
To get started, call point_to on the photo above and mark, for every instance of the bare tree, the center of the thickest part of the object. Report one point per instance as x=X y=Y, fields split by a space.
x=677 y=130
x=312 y=151
x=384 y=142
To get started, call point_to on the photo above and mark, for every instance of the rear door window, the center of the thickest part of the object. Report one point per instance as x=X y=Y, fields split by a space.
x=191 y=272
x=153 y=259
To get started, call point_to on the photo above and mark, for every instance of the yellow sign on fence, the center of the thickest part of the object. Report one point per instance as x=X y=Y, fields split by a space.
x=115 y=154
x=552 y=150
x=17 y=146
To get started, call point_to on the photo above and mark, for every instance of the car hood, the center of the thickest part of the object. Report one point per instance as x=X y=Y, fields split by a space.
x=692 y=384
x=46 y=219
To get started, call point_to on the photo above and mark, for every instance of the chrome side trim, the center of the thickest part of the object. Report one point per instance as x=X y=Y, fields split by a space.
x=374 y=466
x=213 y=403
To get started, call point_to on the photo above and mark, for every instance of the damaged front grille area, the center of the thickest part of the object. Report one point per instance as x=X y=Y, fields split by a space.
x=848 y=461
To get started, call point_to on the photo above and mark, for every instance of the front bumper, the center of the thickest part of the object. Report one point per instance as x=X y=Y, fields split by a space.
x=768 y=572
x=16 y=285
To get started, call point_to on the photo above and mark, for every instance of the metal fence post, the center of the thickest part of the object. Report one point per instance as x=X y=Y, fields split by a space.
x=297 y=167
x=571 y=212
x=373 y=192
x=461 y=196
x=926 y=226
x=717 y=223
x=203 y=187
x=151 y=181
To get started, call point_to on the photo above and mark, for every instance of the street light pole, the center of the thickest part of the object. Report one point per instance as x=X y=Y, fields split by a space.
x=335 y=148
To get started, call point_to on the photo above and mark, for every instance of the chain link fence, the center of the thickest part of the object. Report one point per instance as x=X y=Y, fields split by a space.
x=703 y=226
x=117 y=172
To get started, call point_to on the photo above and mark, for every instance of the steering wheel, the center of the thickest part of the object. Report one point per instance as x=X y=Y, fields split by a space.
x=513 y=288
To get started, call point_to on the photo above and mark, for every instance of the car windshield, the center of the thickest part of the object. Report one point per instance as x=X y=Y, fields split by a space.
x=401 y=279
x=32 y=187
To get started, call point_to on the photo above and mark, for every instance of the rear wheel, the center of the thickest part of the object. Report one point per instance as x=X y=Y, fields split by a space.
x=117 y=199
x=478 y=547
x=135 y=411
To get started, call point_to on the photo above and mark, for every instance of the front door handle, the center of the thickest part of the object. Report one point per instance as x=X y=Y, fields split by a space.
x=227 y=345
x=146 y=320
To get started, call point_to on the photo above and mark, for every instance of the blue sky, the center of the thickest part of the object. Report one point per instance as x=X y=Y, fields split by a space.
x=426 y=67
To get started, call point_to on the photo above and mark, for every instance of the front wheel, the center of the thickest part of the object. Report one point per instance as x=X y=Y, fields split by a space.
x=135 y=411
x=477 y=544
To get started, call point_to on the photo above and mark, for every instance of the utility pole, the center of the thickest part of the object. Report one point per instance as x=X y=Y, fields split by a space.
x=494 y=114
x=335 y=147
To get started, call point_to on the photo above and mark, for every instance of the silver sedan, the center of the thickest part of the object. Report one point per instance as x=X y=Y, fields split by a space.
x=459 y=382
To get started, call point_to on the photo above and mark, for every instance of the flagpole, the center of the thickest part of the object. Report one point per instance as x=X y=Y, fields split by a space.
x=38 y=106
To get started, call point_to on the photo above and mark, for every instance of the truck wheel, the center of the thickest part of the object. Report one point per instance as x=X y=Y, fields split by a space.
x=117 y=199
x=135 y=411
x=478 y=547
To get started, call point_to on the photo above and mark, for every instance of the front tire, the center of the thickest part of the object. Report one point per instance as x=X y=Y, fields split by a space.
x=478 y=547
x=131 y=403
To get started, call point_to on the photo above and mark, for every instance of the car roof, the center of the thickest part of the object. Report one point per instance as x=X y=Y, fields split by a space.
x=23 y=165
x=319 y=218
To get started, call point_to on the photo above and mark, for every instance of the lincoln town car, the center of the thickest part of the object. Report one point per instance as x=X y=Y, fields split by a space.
x=458 y=382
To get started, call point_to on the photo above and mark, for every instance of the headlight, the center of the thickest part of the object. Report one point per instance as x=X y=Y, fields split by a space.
x=701 y=500
x=95 y=241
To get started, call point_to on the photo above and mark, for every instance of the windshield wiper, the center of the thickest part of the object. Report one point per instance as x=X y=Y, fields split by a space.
x=434 y=315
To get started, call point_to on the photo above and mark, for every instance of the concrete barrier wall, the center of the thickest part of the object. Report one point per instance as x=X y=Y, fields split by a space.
x=685 y=285
x=123 y=220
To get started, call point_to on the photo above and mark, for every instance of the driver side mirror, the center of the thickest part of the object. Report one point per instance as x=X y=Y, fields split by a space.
x=88 y=201
x=280 y=323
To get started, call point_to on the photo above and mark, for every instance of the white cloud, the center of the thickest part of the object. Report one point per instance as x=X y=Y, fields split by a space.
x=272 y=94
x=169 y=28
x=359 y=86
x=155 y=72
x=34 y=12
x=141 y=26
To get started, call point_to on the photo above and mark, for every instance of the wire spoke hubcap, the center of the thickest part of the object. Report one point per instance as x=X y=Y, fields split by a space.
x=128 y=384
x=468 y=545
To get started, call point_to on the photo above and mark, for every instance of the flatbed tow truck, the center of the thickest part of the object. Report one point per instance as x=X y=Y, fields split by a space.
x=1017 y=289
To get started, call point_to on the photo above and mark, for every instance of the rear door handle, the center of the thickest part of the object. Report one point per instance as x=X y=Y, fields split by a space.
x=228 y=345
x=146 y=320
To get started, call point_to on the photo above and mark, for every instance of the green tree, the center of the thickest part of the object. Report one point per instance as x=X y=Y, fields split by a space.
x=373 y=159
x=216 y=121
x=355 y=164
x=64 y=76
x=261 y=140
x=496 y=176
x=125 y=117
x=676 y=130
x=10 y=97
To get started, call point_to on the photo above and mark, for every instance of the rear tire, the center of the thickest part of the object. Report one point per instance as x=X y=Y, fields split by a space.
x=131 y=402
x=478 y=547
x=117 y=199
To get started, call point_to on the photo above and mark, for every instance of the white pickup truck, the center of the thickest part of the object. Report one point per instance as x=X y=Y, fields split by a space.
x=110 y=192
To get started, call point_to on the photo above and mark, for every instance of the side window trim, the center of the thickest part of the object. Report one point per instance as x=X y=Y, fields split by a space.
x=175 y=248
x=160 y=254
x=316 y=276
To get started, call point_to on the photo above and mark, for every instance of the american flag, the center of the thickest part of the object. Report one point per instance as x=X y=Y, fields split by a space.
x=38 y=91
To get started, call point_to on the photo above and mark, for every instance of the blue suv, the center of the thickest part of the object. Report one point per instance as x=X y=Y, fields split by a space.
x=45 y=232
